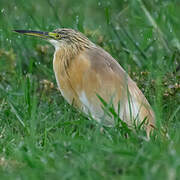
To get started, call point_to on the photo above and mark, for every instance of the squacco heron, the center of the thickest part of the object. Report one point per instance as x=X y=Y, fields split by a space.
x=84 y=72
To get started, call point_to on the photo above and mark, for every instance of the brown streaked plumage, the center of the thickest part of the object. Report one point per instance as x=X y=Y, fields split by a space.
x=84 y=70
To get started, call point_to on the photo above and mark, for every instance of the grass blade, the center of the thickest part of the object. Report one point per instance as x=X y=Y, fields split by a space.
x=15 y=111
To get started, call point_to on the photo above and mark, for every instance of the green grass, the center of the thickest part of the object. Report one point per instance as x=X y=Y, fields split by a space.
x=42 y=137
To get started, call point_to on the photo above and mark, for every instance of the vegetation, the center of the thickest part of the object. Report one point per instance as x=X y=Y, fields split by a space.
x=43 y=137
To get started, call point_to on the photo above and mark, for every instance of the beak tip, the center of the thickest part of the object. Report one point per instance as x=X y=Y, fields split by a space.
x=18 y=31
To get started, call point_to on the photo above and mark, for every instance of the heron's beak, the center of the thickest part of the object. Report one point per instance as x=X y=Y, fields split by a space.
x=44 y=35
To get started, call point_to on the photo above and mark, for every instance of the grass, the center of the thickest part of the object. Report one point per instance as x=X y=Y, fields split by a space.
x=43 y=137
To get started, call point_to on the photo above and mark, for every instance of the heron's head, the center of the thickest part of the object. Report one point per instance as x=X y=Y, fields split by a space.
x=61 y=38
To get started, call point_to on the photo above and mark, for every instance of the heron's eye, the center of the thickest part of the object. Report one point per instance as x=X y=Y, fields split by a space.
x=58 y=36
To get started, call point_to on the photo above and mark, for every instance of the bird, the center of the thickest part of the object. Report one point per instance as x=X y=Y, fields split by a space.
x=86 y=74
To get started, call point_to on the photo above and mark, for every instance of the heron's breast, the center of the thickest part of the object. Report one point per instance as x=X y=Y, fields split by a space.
x=69 y=76
x=63 y=81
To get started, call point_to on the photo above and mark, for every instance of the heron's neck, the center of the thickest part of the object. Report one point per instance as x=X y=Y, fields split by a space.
x=66 y=53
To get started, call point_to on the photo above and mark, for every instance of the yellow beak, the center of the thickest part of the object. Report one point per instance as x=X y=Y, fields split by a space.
x=44 y=35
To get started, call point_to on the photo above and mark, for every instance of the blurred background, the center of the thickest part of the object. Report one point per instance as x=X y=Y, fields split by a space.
x=42 y=134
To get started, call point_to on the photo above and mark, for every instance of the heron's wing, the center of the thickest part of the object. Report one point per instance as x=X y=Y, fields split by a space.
x=107 y=77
